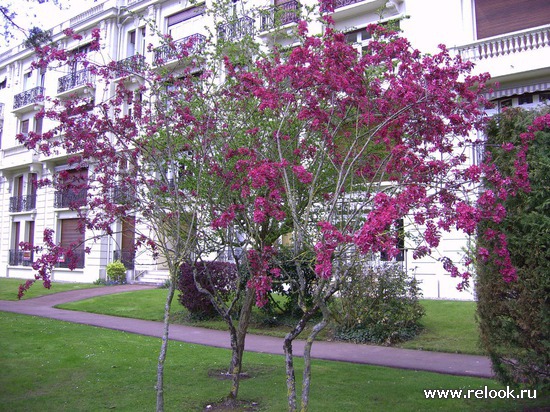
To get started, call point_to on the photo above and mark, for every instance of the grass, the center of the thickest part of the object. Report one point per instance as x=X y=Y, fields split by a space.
x=10 y=286
x=449 y=326
x=49 y=365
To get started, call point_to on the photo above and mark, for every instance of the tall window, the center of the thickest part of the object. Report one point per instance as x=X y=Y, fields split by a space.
x=72 y=240
x=181 y=24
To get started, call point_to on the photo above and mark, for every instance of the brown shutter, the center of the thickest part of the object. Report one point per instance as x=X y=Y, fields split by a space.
x=495 y=17
x=70 y=233
x=128 y=234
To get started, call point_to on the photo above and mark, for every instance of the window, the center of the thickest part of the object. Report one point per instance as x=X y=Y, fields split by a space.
x=361 y=36
x=24 y=127
x=4 y=83
x=400 y=242
x=24 y=193
x=131 y=43
x=72 y=241
x=544 y=97
x=504 y=103
x=38 y=125
x=179 y=24
x=73 y=188
x=525 y=99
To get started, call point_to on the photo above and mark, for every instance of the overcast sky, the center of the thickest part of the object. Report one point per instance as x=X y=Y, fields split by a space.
x=31 y=13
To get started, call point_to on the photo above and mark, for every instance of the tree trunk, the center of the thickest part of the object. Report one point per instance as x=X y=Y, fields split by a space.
x=238 y=342
x=164 y=346
x=306 y=380
x=289 y=362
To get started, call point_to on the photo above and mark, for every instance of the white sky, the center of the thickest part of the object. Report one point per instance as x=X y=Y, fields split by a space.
x=47 y=15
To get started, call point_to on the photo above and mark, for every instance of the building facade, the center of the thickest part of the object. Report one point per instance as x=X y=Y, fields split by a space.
x=509 y=39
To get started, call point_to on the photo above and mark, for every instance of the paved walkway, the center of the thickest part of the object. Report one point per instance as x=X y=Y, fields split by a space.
x=454 y=364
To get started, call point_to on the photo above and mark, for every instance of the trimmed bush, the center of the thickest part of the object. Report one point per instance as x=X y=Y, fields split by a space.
x=379 y=305
x=116 y=272
x=218 y=277
x=514 y=317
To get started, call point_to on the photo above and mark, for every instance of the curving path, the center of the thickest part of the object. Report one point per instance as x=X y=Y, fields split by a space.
x=448 y=363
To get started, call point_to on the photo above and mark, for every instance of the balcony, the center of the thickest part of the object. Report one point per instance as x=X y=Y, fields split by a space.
x=123 y=195
x=28 y=98
x=237 y=29
x=21 y=257
x=130 y=65
x=73 y=259
x=190 y=45
x=280 y=15
x=75 y=80
x=70 y=198
x=511 y=53
x=22 y=203
x=126 y=257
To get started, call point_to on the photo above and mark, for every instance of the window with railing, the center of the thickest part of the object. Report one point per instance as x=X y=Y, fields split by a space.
x=34 y=95
x=280 y=14
x=236 y=29
x=73 y=190
x=188 y=46
x=22 y=203
x=72 y=259
x=19 y=257
x=79 y=78
x=130 y=65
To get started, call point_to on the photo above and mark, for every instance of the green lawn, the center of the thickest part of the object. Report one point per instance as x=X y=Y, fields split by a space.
x=10 y=286
x=48 y=365
x=449 y=326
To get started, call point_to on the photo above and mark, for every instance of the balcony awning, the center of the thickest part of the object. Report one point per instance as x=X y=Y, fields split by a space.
x=515 y=90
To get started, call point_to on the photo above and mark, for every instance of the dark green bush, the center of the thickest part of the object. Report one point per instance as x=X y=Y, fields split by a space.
x=514 y=317
x=379 y=305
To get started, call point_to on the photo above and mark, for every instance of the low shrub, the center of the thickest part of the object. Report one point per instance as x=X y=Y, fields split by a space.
x=116 y=272
x=215 y=277
x=379 y=305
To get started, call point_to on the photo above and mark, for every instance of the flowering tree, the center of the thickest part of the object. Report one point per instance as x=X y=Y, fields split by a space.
x=320 y=145
x=335 y=147
x=131 y=157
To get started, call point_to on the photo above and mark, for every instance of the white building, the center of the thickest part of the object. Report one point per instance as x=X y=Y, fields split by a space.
x=509 y=39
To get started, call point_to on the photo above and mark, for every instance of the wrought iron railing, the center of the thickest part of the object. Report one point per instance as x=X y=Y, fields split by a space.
x=280 y=15
x=70 y=198
x=122 y=194
x=237 y=29
x=126 y=257
x=73 y=259
x=19 y=257
x=130 y=65
x=75 y=79
x=342 y=3
x=192 y=44
x=34 y=95
x=22 y=203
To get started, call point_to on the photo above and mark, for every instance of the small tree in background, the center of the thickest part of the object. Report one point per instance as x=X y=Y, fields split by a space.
x=514 y=317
